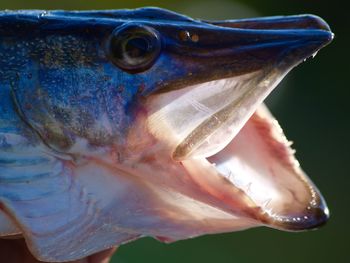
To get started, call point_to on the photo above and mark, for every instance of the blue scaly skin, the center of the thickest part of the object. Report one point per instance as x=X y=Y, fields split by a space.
x=127 y=123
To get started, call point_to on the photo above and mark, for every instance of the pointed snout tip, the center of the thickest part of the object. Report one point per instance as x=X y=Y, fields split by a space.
x=298 y=35
x=314 y=21
x=315 y=27
x=317 y=23
x=321 y=36
x=316 y=217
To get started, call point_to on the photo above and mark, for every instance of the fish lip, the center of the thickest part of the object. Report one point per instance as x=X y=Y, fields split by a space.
x=313 y=217
x=316 y=217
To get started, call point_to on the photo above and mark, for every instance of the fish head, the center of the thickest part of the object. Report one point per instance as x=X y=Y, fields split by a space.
x=159 y=118
x=200 y=116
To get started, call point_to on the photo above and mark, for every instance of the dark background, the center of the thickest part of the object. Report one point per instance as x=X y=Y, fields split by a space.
x=311 y=104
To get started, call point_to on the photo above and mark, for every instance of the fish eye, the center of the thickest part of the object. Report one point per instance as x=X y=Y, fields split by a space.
x=134 y=48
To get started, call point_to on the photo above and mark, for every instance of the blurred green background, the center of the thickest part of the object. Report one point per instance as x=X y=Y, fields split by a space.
x=311 y=104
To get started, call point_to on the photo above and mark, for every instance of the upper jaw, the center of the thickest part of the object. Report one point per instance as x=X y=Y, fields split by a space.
x=205 y=51
x=205 y=118
x=219 y=80
x=230 y=70
x=303 y=22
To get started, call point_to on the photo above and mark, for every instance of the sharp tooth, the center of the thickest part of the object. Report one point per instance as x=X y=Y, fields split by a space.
x=269 y=212
x=266 y=203
x=248 y=188
x=230 y=176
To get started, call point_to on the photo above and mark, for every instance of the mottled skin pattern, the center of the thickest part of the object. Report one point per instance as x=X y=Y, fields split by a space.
x=80 y=169
x=54 y=77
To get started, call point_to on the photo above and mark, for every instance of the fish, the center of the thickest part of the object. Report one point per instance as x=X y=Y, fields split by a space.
x=121 y=124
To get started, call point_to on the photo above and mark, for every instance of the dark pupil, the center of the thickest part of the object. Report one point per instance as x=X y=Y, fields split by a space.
x=137 y=47
x=134 y=48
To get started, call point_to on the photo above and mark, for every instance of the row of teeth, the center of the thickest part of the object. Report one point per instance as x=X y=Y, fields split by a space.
x=247 y=188
x=265 y=207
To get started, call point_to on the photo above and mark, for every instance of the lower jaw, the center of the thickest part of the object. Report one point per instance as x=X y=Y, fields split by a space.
x=297 y=207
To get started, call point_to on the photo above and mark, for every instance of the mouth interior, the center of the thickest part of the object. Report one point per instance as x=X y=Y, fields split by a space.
x=233 y=148
x=260 y=162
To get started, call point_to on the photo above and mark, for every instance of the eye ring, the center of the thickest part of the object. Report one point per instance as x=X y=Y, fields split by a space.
x=134 y=48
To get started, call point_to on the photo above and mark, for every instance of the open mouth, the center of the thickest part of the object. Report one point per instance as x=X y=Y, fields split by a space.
x=234 y=149
x=230 y=144
x=263 y=179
